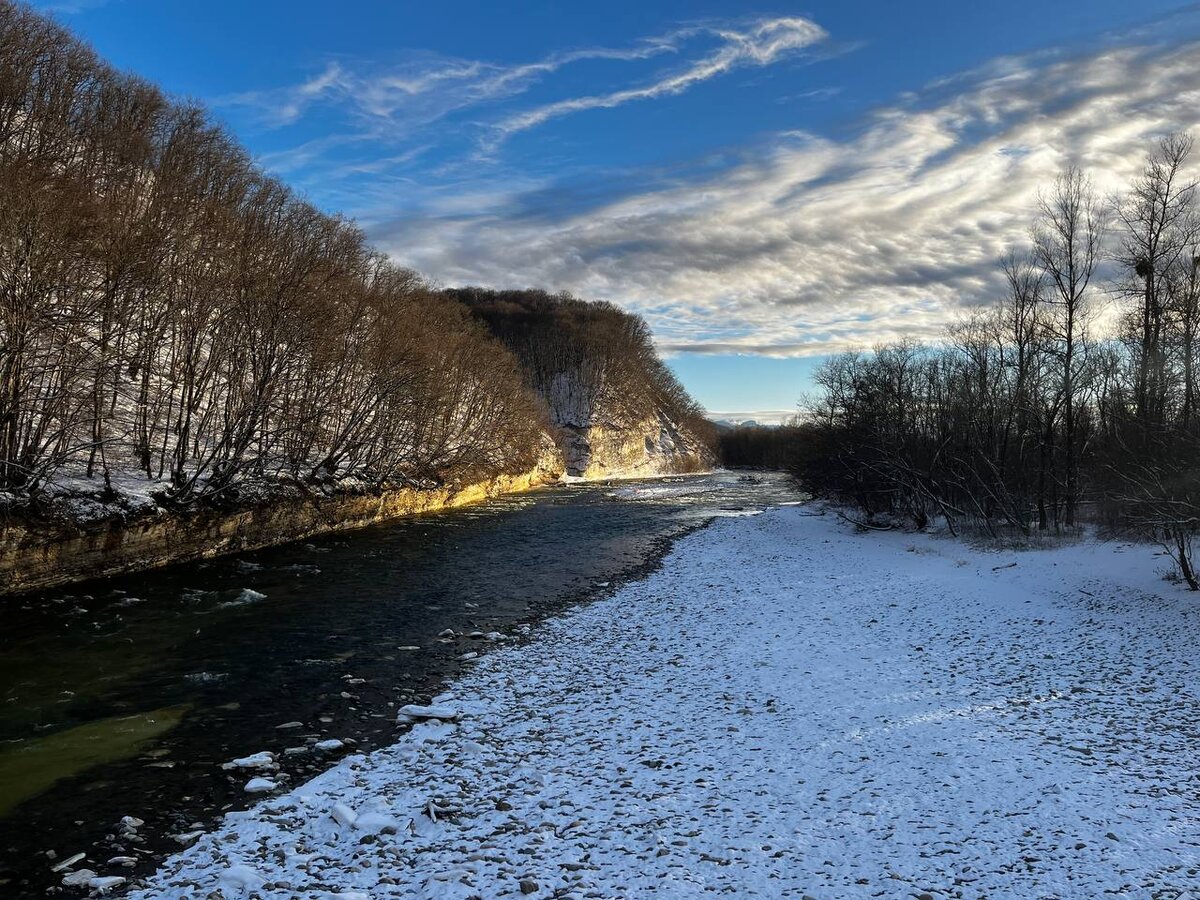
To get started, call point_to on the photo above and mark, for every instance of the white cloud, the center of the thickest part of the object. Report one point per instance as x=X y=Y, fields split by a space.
x=816 y=245
x=761 y=416
x=761 y=45
x=396 y=102
x=424 y=87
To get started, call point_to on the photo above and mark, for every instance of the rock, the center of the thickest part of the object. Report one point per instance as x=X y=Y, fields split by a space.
x=260 y=785
x=412 y=712
x=131 y=822
x=329 y=746
x=78 y=879
x=290 y=725
x=69 y=861
x=262 y=760
x=446 y=633
x=528 y=886
x=106 y=883
x=189 y=838
x=127 y=861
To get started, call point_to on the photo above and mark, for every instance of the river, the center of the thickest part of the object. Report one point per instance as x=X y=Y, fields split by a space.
x=124 y=697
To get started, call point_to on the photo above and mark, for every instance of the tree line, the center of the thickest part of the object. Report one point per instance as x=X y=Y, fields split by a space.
x=772 y=447
x=169 y=309
x=1024 y=416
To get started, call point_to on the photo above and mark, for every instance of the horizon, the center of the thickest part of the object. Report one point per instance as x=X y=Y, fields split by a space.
x=557 y=149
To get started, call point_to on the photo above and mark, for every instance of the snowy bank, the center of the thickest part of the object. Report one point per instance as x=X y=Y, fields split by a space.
x=785 y=708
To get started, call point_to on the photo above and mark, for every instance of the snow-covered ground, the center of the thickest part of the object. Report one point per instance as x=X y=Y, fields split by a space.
x=784 y=709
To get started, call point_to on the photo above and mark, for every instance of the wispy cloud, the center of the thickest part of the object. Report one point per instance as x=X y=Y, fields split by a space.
x=424 y=86
x=398 y=101
x=763 y=44
x=812 y=245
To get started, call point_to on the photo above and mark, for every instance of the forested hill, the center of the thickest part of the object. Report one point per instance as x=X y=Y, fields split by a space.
x=179 y=329
x=594 y=368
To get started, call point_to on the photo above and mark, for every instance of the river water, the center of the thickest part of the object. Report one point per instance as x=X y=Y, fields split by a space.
x=124 y=697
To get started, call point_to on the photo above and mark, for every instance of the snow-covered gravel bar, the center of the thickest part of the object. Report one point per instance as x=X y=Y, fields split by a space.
x=785 y=709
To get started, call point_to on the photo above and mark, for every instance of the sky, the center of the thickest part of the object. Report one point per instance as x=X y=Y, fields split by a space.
x=767 y=183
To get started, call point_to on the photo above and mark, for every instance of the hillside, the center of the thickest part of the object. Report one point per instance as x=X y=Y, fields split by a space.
x=614 y=407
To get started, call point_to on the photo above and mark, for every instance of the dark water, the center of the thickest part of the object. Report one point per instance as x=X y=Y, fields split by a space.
x=123 y=697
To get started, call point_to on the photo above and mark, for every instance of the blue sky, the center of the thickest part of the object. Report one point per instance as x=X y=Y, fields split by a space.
x=766 y=183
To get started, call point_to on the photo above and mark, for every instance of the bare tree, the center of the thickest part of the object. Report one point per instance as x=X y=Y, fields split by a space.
x=1067 y=244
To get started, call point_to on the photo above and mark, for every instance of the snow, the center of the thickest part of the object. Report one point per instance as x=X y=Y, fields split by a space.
x=784 y=708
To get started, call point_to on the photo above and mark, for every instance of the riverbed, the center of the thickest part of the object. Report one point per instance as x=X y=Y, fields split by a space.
x=123 y=698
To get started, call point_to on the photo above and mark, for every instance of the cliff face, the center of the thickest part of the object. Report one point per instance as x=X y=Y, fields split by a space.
x=653 y=446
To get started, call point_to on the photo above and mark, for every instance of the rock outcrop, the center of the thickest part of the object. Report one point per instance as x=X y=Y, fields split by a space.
x=653 y=446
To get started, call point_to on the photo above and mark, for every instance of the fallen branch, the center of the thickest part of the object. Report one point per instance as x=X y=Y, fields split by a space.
x=865 y=525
